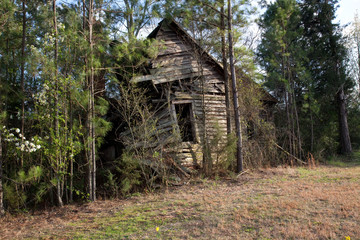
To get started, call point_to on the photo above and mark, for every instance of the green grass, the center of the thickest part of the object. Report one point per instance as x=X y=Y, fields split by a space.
x=141 y=219
x=279 y=203
x=345 y=161
x=123 y=224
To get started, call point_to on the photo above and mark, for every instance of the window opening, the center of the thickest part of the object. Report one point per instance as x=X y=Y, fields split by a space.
x=183 y=114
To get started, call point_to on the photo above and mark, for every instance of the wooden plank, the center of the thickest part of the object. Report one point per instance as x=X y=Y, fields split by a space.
x=207 y=90
x=213 y=122
x=169 y=41
x=209 y=106
x=181 y=101
x=162 y=70
x=158 y=100
x=164 y=120
x=213 y=80
x=166 y=72
x=187 y=56
x=216 y=115
x=174 y=78
x=177 y=49
x=165 y=62
x=163 y=113
x=204 y=72
x=184 y=155
x=165 y=125
x=167 y=77
x=214 y=100
x=212 y=132
x=187 y=150
x=181 y=95
x=176 y=70
x=199 y=97
x=208 y=112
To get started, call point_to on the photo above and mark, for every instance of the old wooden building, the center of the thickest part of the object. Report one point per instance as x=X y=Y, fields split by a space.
x=188 y=91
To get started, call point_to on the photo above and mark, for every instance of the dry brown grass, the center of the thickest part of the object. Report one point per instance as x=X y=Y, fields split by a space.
x=278 y=203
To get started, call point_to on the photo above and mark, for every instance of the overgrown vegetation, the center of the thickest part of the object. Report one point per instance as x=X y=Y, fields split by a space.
x=74 y=126
x=274 y=203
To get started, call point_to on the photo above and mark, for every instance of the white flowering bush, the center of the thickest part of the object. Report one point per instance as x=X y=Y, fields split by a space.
x=20 y=142
x=17 y=191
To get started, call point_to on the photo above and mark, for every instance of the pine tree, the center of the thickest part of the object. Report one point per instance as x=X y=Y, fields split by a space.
x=239 y=155
x=6 y=11
x=281 y=56
x=354 y=52
x=327 y=53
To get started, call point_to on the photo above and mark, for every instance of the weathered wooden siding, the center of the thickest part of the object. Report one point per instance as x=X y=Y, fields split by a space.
x=192 y=79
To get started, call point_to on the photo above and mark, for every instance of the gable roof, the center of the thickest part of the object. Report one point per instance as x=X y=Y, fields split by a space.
x=180 y=30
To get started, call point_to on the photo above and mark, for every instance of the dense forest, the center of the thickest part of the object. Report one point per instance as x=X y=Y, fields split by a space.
x=66 y=92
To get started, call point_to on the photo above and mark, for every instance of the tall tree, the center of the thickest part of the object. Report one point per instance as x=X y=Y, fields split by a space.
x=6 y=12
x=22 y=81
x=225 y=66
x=239 y=155
x=57 y=130
x=135 y=15
x=354 y=51
x=2 y=211
x=97 y=42
x=327 y=53
x=281 y=55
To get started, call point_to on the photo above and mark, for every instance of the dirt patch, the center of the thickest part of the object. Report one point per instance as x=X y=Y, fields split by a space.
x=277 y=203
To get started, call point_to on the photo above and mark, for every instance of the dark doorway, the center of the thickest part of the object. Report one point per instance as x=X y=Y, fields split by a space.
x=184 y=118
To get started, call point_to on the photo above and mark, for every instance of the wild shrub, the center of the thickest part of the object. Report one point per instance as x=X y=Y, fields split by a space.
x=258 y=130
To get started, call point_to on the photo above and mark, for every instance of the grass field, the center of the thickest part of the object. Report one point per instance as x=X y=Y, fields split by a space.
x=276 y=203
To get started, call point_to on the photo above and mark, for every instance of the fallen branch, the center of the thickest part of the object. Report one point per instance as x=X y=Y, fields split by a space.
x=297 y=159
x=178 y=167
x=243 y=172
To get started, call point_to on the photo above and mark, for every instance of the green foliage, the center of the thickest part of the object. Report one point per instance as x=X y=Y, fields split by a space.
x=303 y=54
x=17 y=191
x=258 y=127
x=14 y=198
x=222 y=150
x=33 y=175
x=111 y=184
x=46 y=146
x=131 y=57
x=130 y=172
x=325 y=49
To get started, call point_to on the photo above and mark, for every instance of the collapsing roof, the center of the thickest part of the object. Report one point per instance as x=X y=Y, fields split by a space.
x=161 y=73
x=190 y=84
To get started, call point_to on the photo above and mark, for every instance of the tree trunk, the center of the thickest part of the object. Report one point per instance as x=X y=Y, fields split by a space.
x=92 y=154
x=343 y=124
x=358 y=62
x=239 y=156
x=57 y=131
x=207 y=159
x=288 y=128
x=312 y=131
x=2 y=211
x=71 y=152
x=357 y=42
x=226 y=75
x=88 y=151
x=22 y=75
